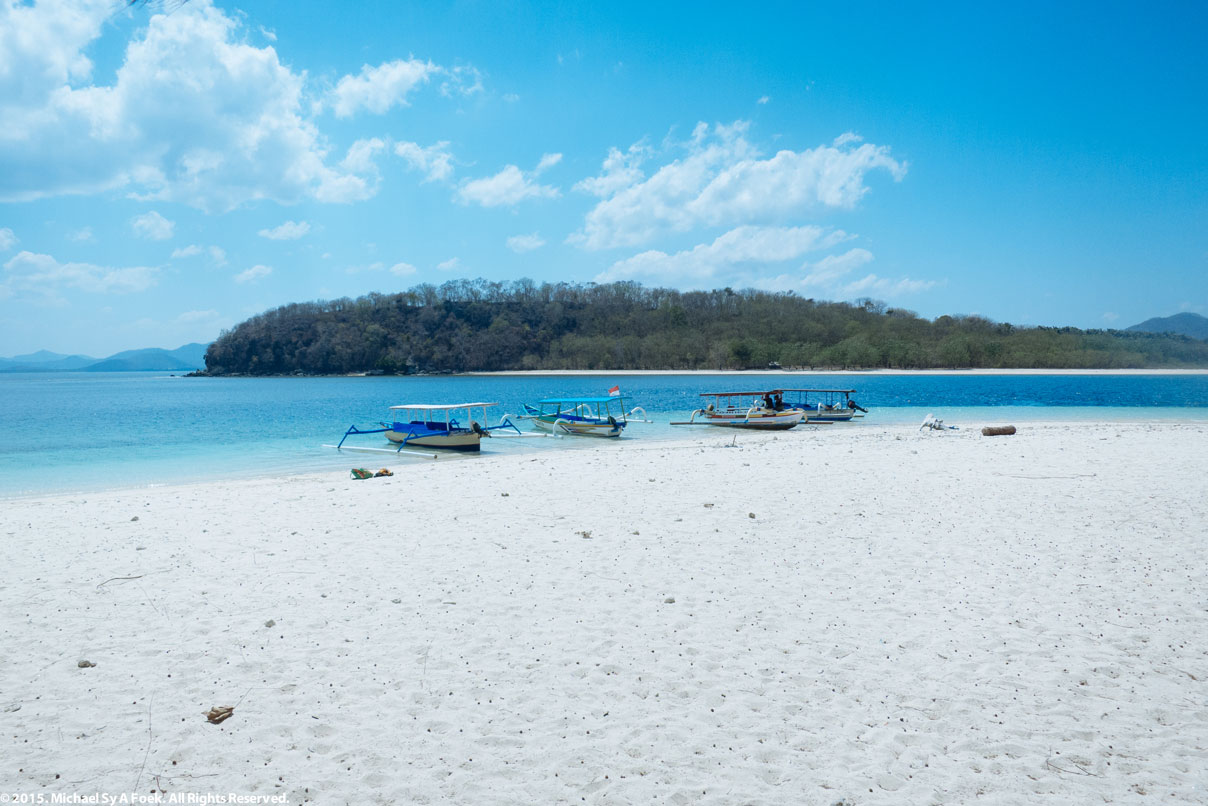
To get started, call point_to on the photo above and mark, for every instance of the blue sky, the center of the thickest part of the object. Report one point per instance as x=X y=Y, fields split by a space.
x=168 y=170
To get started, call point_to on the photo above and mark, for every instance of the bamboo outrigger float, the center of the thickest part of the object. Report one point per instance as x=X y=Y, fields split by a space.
x=755 y=410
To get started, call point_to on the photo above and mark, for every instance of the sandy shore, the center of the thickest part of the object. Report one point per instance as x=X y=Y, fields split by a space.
x=870 y=615
x=797 y=372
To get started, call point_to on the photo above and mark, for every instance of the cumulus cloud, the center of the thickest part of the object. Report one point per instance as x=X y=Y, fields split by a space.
x=452 y=264
x=525 y=243
x=377 y=89
x=619 y=171
x=7 y=239
x=192 y=250
x=152 y=226
x=510 y=186
x=434 y=161
x=402 y=269
x=743 y=251
x=253 y=274
x=288 y=231
x=46 y=276
x=82 y=235
x=722 y=178
x=194 y=113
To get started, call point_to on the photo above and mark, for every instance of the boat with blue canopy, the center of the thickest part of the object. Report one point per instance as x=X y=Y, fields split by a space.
x=823 y=405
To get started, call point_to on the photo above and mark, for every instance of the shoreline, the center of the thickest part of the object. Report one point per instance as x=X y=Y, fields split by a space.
x=803 y=372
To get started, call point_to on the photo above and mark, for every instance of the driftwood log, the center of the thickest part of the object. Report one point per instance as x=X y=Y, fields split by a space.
x=998 y=430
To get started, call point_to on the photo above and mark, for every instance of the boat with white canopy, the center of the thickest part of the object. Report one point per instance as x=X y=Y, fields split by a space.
x=756 y=410
x=581 y=416
x=450 y=426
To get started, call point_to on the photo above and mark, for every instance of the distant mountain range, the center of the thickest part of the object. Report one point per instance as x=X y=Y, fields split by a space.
x=186 y=358
x=1184 y=324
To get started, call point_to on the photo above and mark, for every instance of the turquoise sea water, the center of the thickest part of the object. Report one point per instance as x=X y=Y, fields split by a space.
x=82 y=431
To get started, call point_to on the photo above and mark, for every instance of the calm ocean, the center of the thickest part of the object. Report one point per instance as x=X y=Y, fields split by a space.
x=81 y=431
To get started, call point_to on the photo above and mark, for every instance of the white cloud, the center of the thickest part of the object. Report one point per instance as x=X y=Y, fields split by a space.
x=82 y=235
x=452 y=264
x=252 y=274
x=510 y=186
x=360 y=157
x=267 y=34
x=831 y=268
x=547 y=161
x=377 y=89
x=402 y=269
x=763 y=99
x=218 y=254
x=620 y=170
x=743 y=251
x=884 y=287
x=435 y=161
x=288 y=231
x=1109 y=316
x=525 y=243
x=192 y=250
x=194 y=113
x=152 y=226
x=7 y=239
x=723 y=179
x=828 y=276
x=464 y=80
x=44 y=275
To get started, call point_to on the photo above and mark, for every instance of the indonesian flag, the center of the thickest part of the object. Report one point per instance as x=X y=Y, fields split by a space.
x=614 y=391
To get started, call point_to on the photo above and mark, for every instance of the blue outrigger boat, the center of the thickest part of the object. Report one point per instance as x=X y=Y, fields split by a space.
x=823 y=405
x=433 y=426
x=581 y=416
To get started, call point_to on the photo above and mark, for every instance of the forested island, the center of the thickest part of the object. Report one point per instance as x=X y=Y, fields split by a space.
x=479 y=325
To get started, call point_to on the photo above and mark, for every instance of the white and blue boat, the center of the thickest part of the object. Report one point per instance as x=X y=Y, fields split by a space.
x=822 y=405
x=580 y=416
x=449 y=426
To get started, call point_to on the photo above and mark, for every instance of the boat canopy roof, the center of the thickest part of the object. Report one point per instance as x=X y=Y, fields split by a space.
x=577 y=400
x=831 y=391
x=741 y=394
x=440 y=406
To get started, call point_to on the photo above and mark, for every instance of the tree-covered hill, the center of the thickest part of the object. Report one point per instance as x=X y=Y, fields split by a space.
x=1187 y=324
x=477 y=325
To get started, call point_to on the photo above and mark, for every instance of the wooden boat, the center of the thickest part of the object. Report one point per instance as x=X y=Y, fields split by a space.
x=448 y=426
x=745 y=410
x=580 y=416
x=823 y=405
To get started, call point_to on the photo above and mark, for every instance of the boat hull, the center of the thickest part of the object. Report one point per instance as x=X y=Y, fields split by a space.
x=580 y=428
x=457 y=441
x=824 y=416
x=778 y=421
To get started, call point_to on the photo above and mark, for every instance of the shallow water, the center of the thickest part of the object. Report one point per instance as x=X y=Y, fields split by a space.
x=82 y=431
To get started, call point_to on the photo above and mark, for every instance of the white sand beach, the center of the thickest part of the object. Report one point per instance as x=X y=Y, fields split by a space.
x=866 y=615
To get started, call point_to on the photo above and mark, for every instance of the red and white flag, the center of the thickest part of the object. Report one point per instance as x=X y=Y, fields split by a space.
x=614 y=391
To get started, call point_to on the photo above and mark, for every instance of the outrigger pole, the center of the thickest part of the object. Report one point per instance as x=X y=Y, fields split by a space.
x=393 y=451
